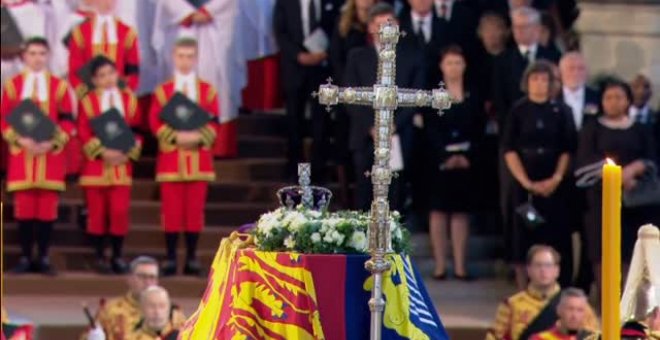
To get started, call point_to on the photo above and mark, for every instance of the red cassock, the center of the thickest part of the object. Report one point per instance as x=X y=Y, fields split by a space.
x=107 y=187
x=125 y=53
x=183 y=174
x=35 y=180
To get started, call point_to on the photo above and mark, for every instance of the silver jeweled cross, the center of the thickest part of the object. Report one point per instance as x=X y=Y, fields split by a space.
x=304 y=181
x=385 y=97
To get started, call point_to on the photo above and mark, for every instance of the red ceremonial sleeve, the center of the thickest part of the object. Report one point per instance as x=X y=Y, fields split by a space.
x=165 y=134
x=91 y=145
x=133 y=120
x=76 y=62
x=132 y=63
x=209 y=131
x=8 y=132
x=65 y=108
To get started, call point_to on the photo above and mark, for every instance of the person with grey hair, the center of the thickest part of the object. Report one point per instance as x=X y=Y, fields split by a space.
x=121 y=314
x=573 y=311
x=508 y=69
x=538 y=142
x=156 y=324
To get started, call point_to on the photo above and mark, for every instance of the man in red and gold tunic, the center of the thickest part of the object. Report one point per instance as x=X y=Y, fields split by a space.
x=185 y=163
x=119 y=317
x=36 y=170
x=534 y=309
x=573 y=312
x=107 y=173
x=103 y=34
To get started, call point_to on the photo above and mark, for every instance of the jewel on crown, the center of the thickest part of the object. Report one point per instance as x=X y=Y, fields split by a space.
x=308 y=196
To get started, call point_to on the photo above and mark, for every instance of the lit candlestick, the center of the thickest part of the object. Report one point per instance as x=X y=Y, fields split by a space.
x=611 y=251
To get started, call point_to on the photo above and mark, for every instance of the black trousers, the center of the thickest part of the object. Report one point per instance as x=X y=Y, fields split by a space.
x=296 y=101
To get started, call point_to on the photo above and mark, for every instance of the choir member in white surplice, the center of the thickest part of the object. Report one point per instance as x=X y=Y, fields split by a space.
x=212 y=23
x=31 y=22
x=67 y=14
x=256 y=28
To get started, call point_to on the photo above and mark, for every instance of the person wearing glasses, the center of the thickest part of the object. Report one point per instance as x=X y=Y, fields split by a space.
x=119 y=316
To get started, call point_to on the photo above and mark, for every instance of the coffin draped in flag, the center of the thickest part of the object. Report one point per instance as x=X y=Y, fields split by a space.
x=267 y=295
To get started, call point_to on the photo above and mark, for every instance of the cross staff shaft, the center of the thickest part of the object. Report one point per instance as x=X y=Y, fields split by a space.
x=385 y=97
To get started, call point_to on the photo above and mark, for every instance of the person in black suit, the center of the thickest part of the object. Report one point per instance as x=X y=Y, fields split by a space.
x=360 y=71
x=641 y=111
x=511 y=64
x=425 y=30
x=507 y=72
x=462 y=24
x=304 y=70
x=583 y=102
x=350 y=32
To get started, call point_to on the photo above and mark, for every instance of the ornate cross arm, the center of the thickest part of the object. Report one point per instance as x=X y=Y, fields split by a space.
x=383 y=97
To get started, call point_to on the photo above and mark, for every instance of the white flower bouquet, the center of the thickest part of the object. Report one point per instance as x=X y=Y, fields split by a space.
x=314 y=232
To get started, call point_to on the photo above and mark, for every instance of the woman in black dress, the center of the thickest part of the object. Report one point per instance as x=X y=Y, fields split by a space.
x=453 y=138
x=632 y=146
x=538 y=140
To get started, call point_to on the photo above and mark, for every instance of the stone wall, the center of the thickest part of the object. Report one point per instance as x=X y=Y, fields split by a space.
x=622 y=38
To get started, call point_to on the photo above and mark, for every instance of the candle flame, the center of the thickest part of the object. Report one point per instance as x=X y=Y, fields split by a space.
x=609 y=161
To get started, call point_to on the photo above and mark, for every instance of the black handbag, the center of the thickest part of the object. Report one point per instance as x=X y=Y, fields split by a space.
x=529 y=214
x=647 y=191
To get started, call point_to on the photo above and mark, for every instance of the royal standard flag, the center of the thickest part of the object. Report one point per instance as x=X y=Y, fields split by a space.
x=253 y=294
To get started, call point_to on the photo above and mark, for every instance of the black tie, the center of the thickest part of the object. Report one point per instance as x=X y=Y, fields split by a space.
x=420 y=32
x=313 y=19
x=527 y=55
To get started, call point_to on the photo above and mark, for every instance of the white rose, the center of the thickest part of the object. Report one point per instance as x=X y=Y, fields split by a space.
x=316 y=237
x=358 y=241
x=314 y=214
x=328 y=238
x=338 y=237
x=289 y=242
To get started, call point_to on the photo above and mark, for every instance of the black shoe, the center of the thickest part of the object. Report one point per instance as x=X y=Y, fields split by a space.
x=440 y=277
x=119 y=266
x=464 y=278
x=44 y=267
x=102 y=267
x=168 y=268
x=192 y=268
x=24 y=266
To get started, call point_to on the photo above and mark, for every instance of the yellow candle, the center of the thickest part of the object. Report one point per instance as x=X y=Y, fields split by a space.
x=611 y=252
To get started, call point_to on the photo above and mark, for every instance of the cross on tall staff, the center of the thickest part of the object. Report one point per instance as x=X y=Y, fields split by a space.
x=385 y=97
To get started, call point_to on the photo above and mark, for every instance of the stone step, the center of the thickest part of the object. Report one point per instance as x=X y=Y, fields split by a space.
x=139 y=236
x=262 y=124
x=95 y=286
x=149 y=190
x=82 y=258
x=478 y=247
x=148 y=212
x=232 y=170
x=261 y=146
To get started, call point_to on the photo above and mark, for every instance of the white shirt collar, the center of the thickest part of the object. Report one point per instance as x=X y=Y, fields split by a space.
x=304 y=11
x=112 y=98
x=575 y=100
x=426 y=21
x=448 y=3
x=29 y=86
x=416 y=17
x=99 y=21
x=187 y=82
x=531 y=48
x=634 y=112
